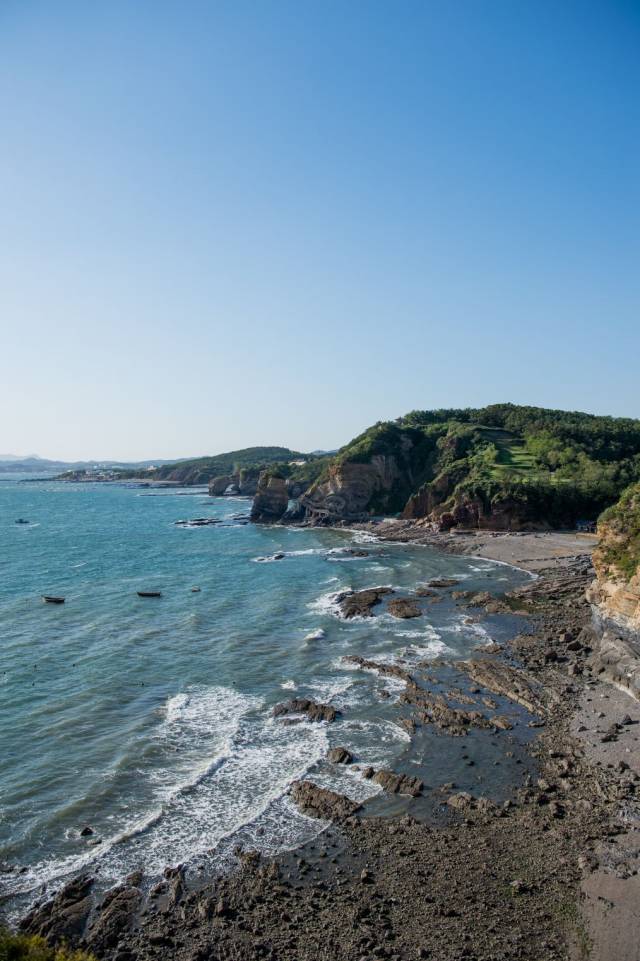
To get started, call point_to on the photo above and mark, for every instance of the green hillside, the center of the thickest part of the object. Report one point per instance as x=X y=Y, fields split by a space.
x=202 y=469
x=620 y=530
x=535 y=465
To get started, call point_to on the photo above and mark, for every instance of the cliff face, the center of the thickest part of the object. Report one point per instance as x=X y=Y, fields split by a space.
x=349 y=489
x=616 y=592
x=218 y=485
x=245 y=480
x=501 y=467
x=271 y=499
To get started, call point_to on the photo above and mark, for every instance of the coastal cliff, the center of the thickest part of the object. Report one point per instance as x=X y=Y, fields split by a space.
x=502 y=468
x=244 y=482
x=615 y=594
x=616 y=591
x=349 y=489
x=271 y=499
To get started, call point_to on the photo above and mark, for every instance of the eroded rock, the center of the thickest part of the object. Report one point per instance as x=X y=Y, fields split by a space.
x=360 y=603
x=304 y=705
x=322 y=803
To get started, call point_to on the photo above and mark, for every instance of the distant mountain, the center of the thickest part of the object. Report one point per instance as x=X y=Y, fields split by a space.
x=18 y=457
x=11 y=462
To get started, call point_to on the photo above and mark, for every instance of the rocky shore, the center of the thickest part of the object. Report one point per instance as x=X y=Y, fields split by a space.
x=450 y=874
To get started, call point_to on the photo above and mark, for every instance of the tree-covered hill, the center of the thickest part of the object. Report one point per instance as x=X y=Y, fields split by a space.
x=498 y=466
x=202 y=469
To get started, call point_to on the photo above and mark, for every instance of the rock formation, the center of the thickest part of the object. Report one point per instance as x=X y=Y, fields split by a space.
x=319 y=802
x=303 y=705
x=360 y=603
x=616 y=592
x=349 y=488
x=218 y=485
x=271 y=499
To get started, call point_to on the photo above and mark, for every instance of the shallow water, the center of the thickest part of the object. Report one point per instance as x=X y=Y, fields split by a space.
x=150 y=719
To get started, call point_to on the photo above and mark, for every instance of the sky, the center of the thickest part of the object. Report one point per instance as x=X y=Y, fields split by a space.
x=235 y=223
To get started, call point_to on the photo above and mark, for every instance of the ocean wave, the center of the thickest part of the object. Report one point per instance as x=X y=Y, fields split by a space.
x=326 y=603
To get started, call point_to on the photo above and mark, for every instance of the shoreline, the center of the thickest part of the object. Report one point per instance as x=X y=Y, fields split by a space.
x=401 y=887
x=530 y=551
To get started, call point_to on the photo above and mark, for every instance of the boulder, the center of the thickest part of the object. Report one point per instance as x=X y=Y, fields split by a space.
x=319 y=802
x=115 y=915
x=64 y=917
x=340 y=755
x=404 y=608
x=304 y=705
x=360 y=603
x=395 y=783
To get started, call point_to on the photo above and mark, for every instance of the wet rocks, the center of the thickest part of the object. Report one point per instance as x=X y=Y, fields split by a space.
x=319 y=802
x=403 y=608
x=443 y=582
x=501 y=722
x=500 y=678
x=304 y=705
x=390 y=670
x=359 y=603
x=339 y=755
x=487 y=601
x=198 y=522
x=116 y=913
x=395 y=783
x=65 y=915
x=434 y=709
x=465 y=803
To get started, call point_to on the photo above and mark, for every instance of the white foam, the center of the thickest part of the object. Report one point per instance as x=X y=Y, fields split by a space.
x=200 y=799
x=330 y=690
x=316 y=635
x=288 y=685
x=326 y=603
x=431 y=650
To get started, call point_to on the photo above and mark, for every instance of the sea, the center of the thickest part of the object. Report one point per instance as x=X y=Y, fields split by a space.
x=150 y=720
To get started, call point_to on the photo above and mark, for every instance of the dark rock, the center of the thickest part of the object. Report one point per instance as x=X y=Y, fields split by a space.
x=395 y=783
x=321 y=803
x=116 y=914
x=403 y=608
x=360 y=603
x=390 y=670
x=340 y=755
x=303 y=705
x=65 y=915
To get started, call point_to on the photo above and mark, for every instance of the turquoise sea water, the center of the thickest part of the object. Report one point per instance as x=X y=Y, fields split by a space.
x=150 y=719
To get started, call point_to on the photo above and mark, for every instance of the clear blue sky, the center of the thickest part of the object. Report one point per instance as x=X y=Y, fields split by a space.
x=235 y=223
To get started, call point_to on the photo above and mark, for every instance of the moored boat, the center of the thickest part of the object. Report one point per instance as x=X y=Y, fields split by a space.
x=149 y=593
x=52 y=599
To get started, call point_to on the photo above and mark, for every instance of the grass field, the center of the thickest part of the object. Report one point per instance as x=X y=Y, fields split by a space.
x=513 y=458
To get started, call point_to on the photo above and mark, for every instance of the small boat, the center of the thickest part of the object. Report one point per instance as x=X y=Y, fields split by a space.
x=195 y=590
x=149 y=593
x=50 y=599
x=21 y=520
